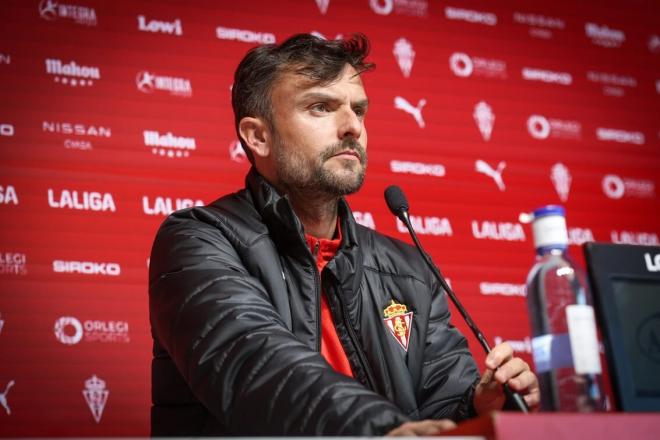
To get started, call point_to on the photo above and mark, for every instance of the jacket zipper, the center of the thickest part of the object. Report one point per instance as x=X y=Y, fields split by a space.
x=317 y=285
x=353 y=337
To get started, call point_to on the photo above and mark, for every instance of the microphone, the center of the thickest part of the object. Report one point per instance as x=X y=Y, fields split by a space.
x=398 y=205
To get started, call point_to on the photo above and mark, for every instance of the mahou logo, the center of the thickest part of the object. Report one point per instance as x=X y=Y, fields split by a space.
x=615 y=187
x=72 y=73
x=464 y=66
x=71 y=331
x=164 y=206
x=81 y=200
x=540 y=127
x=8 y=195
x=601 y=35
x=415 y=8
x=52 y=10
x=148 y=82
x=405 y=55
x=13 y=263
x=96 y=396
x=168 y=144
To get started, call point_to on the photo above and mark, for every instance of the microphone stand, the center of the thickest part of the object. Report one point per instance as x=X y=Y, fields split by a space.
x=514 y=399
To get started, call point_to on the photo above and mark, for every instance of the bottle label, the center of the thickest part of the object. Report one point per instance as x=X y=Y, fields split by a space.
x=551 y=352
x=584 y=342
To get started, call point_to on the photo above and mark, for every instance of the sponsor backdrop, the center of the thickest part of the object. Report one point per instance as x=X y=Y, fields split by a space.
x=117 y=113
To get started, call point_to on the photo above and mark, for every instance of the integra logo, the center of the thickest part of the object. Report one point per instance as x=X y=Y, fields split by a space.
x=72 y=73
x=87 y=268
x=652 y=264
x=147 y=82
x=52 y=9
x=83 y=200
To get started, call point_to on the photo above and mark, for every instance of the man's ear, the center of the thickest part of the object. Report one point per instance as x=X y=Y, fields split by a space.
x=256 y=134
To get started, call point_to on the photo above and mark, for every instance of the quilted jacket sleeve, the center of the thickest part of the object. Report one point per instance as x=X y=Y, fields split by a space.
x=449 y=372
x=234 y=350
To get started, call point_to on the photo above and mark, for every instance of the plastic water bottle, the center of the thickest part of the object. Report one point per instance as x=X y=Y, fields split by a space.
x=564 y=338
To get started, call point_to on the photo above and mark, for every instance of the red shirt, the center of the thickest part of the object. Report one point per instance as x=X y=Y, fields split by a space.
x=331 y=348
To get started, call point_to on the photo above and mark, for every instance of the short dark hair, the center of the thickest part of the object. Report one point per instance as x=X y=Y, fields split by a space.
x=319 y=59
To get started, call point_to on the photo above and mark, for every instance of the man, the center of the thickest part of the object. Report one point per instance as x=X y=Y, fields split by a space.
x=274 y=313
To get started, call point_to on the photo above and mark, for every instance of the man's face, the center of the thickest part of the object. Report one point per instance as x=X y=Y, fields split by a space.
x=319 y=139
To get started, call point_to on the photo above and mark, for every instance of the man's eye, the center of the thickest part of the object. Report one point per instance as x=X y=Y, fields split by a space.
x=320 y=107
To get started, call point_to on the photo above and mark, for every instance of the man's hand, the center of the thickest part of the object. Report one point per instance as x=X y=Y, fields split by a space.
x=422 y=428
x=501 y=368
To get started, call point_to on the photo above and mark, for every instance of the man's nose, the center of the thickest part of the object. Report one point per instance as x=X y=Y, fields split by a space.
x=350 y=124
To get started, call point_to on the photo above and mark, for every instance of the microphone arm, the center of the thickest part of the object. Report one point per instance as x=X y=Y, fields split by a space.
x=514 y=399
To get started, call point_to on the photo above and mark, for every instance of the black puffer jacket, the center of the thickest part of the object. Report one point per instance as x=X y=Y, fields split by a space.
x=234 y=300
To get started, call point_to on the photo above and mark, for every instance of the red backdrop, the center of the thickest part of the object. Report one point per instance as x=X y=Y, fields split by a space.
x=115 y=113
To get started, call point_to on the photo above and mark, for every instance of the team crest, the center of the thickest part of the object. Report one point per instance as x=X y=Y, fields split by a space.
x=399 y=321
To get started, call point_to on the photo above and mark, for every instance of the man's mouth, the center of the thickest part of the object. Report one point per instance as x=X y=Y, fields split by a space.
x=347 y=154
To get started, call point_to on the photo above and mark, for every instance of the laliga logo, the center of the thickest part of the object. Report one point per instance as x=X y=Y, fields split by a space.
x=461 y=64
x=538 y=127
x=382 y=7
x=63 y=327
x=653 y=265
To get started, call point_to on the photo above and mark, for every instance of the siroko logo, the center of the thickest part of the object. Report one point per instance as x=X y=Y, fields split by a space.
x=485 y=118
x=471 y=16
x=616 y=187
x=401 y=103
x=540 y=127
x=70 y=331
x=621 y=136
x=547 y=76
x=464 y=66
x=244 y=36
x=499 y=231
x=158 y=26
x=96 y=396
x=601 y=35
x=502 y=289
x=52 y=9
x=8 y=195
x=13 y=263
x=147 y=82
x=430 y=225
x=415 y=8
x=365 y=218
x=405 y=55
x=635 y=237
x=71 y=73
x=168 y=145
x=87 y=268
x=418 y=168
x=167 y=205
x=83 y=200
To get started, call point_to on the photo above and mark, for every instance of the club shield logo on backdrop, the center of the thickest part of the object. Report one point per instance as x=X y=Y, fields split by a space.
x=96 y=396
x=398 y=321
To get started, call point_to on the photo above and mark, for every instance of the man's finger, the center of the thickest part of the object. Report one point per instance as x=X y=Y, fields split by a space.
x=499 y=355
x=512 y=368
x=523 y=381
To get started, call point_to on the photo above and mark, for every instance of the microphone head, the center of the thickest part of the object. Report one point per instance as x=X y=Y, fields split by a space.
x=396 y=200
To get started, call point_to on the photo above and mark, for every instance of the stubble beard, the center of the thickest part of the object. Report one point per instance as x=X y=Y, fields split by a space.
x=296 y=174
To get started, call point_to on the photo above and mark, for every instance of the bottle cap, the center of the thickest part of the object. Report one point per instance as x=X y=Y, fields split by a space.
x=548 y=227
